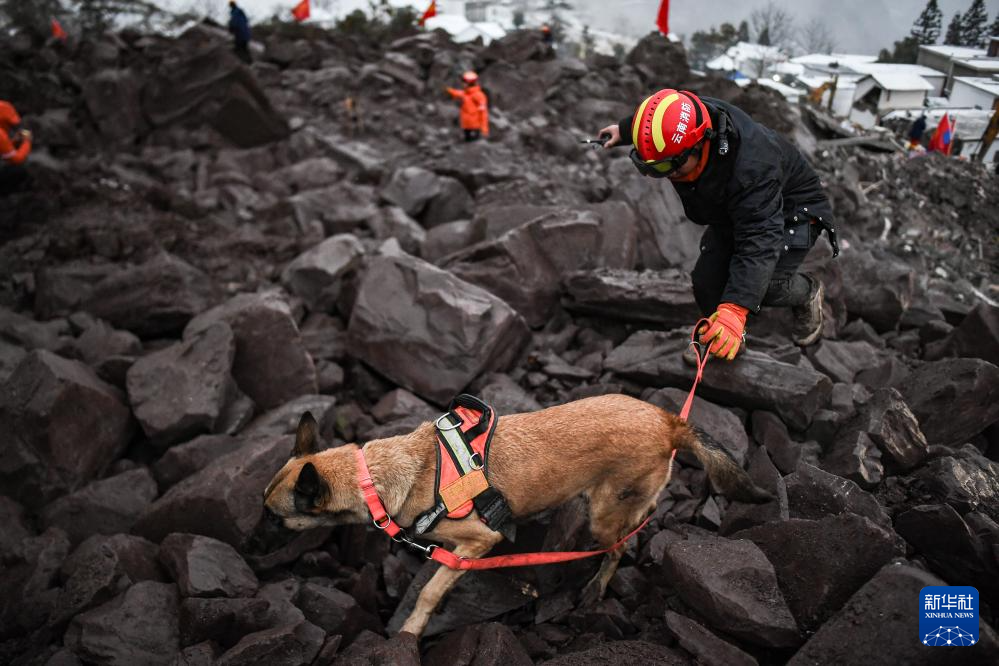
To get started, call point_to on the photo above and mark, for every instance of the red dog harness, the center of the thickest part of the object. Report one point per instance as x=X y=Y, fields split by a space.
x=464 y=434
x=383 y=521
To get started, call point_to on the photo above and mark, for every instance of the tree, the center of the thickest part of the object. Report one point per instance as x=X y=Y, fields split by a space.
x=906 y=50
x=518 y=19
x=954 y=36
x=707 y=45
x=743 y=31
x=926 y=29
x=817 y=38
x=973 y=25
x=772 y=24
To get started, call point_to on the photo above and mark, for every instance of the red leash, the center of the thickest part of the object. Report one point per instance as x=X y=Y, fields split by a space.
x=383 y=521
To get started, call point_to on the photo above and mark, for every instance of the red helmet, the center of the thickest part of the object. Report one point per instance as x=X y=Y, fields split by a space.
x=668 y=124
x=469 y=77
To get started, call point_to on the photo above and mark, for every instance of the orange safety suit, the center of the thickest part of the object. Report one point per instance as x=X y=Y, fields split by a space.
x=9 y=153
x=474 y=108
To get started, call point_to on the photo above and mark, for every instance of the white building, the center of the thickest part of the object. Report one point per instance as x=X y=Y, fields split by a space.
x=933 y=77
x=881 y=92
x=974 y=92
x=959 y=61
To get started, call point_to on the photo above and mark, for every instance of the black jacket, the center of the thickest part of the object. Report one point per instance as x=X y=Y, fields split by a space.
x=755 y=189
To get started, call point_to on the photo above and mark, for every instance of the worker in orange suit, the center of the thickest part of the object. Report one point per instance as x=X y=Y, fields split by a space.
x=14 y=147
x=474 y=107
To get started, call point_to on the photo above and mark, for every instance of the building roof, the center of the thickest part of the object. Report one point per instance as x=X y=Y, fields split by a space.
x=953 y=51
x=988 y=85
x=981 y=64
x=897 y=68
x=789 y=93
x=750 y=51
x=900 y=81
x=794 y=69
x=722 y=62
x=827 y=59
x=463 y=30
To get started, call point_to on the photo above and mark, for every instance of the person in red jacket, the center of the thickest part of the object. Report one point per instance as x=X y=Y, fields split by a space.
x=474 y=107
x=14 y=148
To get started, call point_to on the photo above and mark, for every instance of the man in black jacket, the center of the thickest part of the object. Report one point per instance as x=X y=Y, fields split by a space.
x=761 y=201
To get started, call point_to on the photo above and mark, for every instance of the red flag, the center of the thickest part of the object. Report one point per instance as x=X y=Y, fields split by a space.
x=301 y=11
x=662 y=21
x=941 y=141
x=57 y=31
x=431 y=12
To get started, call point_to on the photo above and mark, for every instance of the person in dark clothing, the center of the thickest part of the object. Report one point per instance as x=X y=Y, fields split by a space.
x=239 y=26
x=762 y=203
x=917 y=130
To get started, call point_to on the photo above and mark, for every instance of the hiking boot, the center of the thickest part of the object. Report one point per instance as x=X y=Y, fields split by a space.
x=808 y=317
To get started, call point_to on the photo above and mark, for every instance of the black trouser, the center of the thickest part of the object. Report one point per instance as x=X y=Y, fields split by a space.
x=242 y=49
x=472 y=135
x=787 y=286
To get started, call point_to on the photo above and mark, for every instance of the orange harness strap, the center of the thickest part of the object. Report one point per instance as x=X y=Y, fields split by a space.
x=433 y=552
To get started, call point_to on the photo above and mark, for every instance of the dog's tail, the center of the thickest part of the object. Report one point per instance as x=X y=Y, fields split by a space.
x=725 y=473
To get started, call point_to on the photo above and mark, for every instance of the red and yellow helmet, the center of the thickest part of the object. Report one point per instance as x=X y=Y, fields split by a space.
x=669 y=123
x=469 y=77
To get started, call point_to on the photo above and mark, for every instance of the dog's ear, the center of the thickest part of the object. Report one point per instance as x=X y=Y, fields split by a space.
x=311 y=490
x=307 y=436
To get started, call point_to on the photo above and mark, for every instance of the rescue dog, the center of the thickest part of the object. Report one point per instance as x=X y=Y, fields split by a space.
x=613 y=449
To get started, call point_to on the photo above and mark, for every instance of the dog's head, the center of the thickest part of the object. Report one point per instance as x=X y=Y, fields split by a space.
x=315 y=489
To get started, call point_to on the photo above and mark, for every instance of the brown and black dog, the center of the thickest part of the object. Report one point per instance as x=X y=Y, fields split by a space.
x=614 y=449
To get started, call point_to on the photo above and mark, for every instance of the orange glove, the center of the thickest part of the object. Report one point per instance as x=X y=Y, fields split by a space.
x=728 y=325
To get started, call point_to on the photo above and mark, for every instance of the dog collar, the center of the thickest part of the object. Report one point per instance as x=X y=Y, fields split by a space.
x=379 y=515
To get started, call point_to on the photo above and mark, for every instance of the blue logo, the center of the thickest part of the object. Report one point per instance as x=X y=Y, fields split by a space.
x=948 y=616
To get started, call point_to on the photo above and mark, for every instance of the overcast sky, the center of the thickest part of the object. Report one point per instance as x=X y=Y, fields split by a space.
x=859 y=26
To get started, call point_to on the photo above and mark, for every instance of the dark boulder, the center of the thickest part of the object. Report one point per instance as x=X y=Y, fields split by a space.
x=205 y=83
x=64 y=425
x=272 y=365
x=317 y=275
x=813 y=493
x=490 y=644
x=182 y=391
x=206 y=567
x=107 y=506
x=753 y=381
x=664 y=298
x=954 y=399
x=733 y=585
x=882 y=618
x=138 y=627
x=289 y=645
x=470 y=332
x=223 y=500
x=153 y=299
x=821 y=563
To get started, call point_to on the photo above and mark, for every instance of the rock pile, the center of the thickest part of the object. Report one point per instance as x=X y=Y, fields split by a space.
x=207 y=250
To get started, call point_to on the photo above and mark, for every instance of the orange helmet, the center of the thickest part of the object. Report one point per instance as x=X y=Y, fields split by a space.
x=545 y=28
x=668 y=126
x=469 y=77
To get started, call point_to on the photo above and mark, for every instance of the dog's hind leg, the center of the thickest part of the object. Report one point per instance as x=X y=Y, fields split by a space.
x=472 y=539
x=616 y=510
